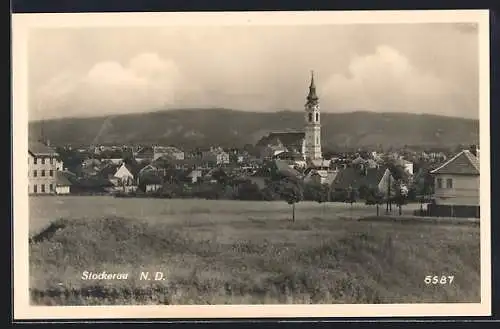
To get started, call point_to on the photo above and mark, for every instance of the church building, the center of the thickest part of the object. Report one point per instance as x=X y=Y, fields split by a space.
x=304 y=146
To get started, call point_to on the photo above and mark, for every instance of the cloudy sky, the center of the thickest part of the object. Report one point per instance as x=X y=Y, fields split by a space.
x=421 y=68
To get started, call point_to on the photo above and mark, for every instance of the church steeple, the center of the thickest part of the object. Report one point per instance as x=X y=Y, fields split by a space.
x=312 y=98
x=312 y=145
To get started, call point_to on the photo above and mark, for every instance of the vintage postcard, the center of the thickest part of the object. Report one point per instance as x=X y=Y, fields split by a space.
x=251 y=164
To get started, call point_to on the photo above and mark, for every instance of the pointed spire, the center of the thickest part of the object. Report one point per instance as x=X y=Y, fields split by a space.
x=312 y=98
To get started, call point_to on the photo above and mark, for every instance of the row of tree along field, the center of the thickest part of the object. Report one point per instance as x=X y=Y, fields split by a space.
x=286 y=189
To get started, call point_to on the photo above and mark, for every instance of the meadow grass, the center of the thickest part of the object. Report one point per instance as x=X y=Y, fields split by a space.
x=256 y=257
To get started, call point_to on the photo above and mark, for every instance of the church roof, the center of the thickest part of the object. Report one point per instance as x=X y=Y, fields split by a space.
x=289 y=156
x=291 y=140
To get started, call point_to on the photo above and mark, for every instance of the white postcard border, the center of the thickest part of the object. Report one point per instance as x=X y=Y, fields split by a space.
x=21 y=23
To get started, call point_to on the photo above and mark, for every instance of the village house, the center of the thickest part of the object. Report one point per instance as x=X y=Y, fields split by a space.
x=125 y=178
x=380 y=179
x=456 y=189
x=216 y=155
x=150 y=178
x=145 y=153
x=171 y=151
x=43 y=164
x=63 y=185
x=194 y=176
x=321 y=176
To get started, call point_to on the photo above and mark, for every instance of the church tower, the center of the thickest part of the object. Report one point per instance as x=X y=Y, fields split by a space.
x=313 y=124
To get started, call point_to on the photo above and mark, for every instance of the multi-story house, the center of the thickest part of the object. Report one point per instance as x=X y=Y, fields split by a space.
x=43 y=164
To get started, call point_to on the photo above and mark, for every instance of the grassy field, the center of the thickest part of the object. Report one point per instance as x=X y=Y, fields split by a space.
x=230 y=252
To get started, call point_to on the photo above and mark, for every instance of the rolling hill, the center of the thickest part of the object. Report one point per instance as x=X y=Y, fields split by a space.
x=188 y=128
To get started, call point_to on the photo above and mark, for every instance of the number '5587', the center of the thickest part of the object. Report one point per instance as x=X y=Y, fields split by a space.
x=438 y=279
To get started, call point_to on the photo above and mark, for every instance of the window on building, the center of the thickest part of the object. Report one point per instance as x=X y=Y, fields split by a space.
x=35 y=188
x=43 y=160
x=51 y=160
x=51 y=173
x=310 y=117
x=35 y=160
x=449 y=183
x=439 y=183
x=43 y=188
x=43 y=173
x=34 y=174
x=51 y=188
x=317 y=116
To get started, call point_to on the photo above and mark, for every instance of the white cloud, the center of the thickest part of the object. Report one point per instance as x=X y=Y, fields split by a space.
x=145 y=82
x=385 y=81
x=408 y=67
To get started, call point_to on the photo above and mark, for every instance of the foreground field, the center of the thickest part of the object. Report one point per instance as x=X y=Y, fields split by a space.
x=238 y=255
x=44 y=210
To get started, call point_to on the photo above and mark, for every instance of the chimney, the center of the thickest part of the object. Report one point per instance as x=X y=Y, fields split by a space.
x=473 y=150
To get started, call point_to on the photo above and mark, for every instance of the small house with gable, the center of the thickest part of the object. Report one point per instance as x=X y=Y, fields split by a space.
x=456 y=185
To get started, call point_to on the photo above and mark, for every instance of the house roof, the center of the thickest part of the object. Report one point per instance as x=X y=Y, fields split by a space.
x=353 y=177
x=358 y=160
x=38 y=148
x=107 y=170
x=374 y=176
x=464 y=163
x=147 y=168
x=348 y=177
x=291 y=140
x=166 y=149
x=61 y=179
x=129 y=168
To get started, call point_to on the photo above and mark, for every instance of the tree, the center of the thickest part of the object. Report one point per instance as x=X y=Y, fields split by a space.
x=248 y=191
x=423 y=185
x=351 y=197
x=71 y=159
x=401 y=195
x=292 y=193
x=376 y=197
x=322 y=194
x=220 y=176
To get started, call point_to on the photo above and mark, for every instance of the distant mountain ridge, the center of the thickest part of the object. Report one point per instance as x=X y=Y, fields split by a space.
x=189 y=128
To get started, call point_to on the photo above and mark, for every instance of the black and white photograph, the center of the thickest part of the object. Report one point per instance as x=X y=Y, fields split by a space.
x=309 y=164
